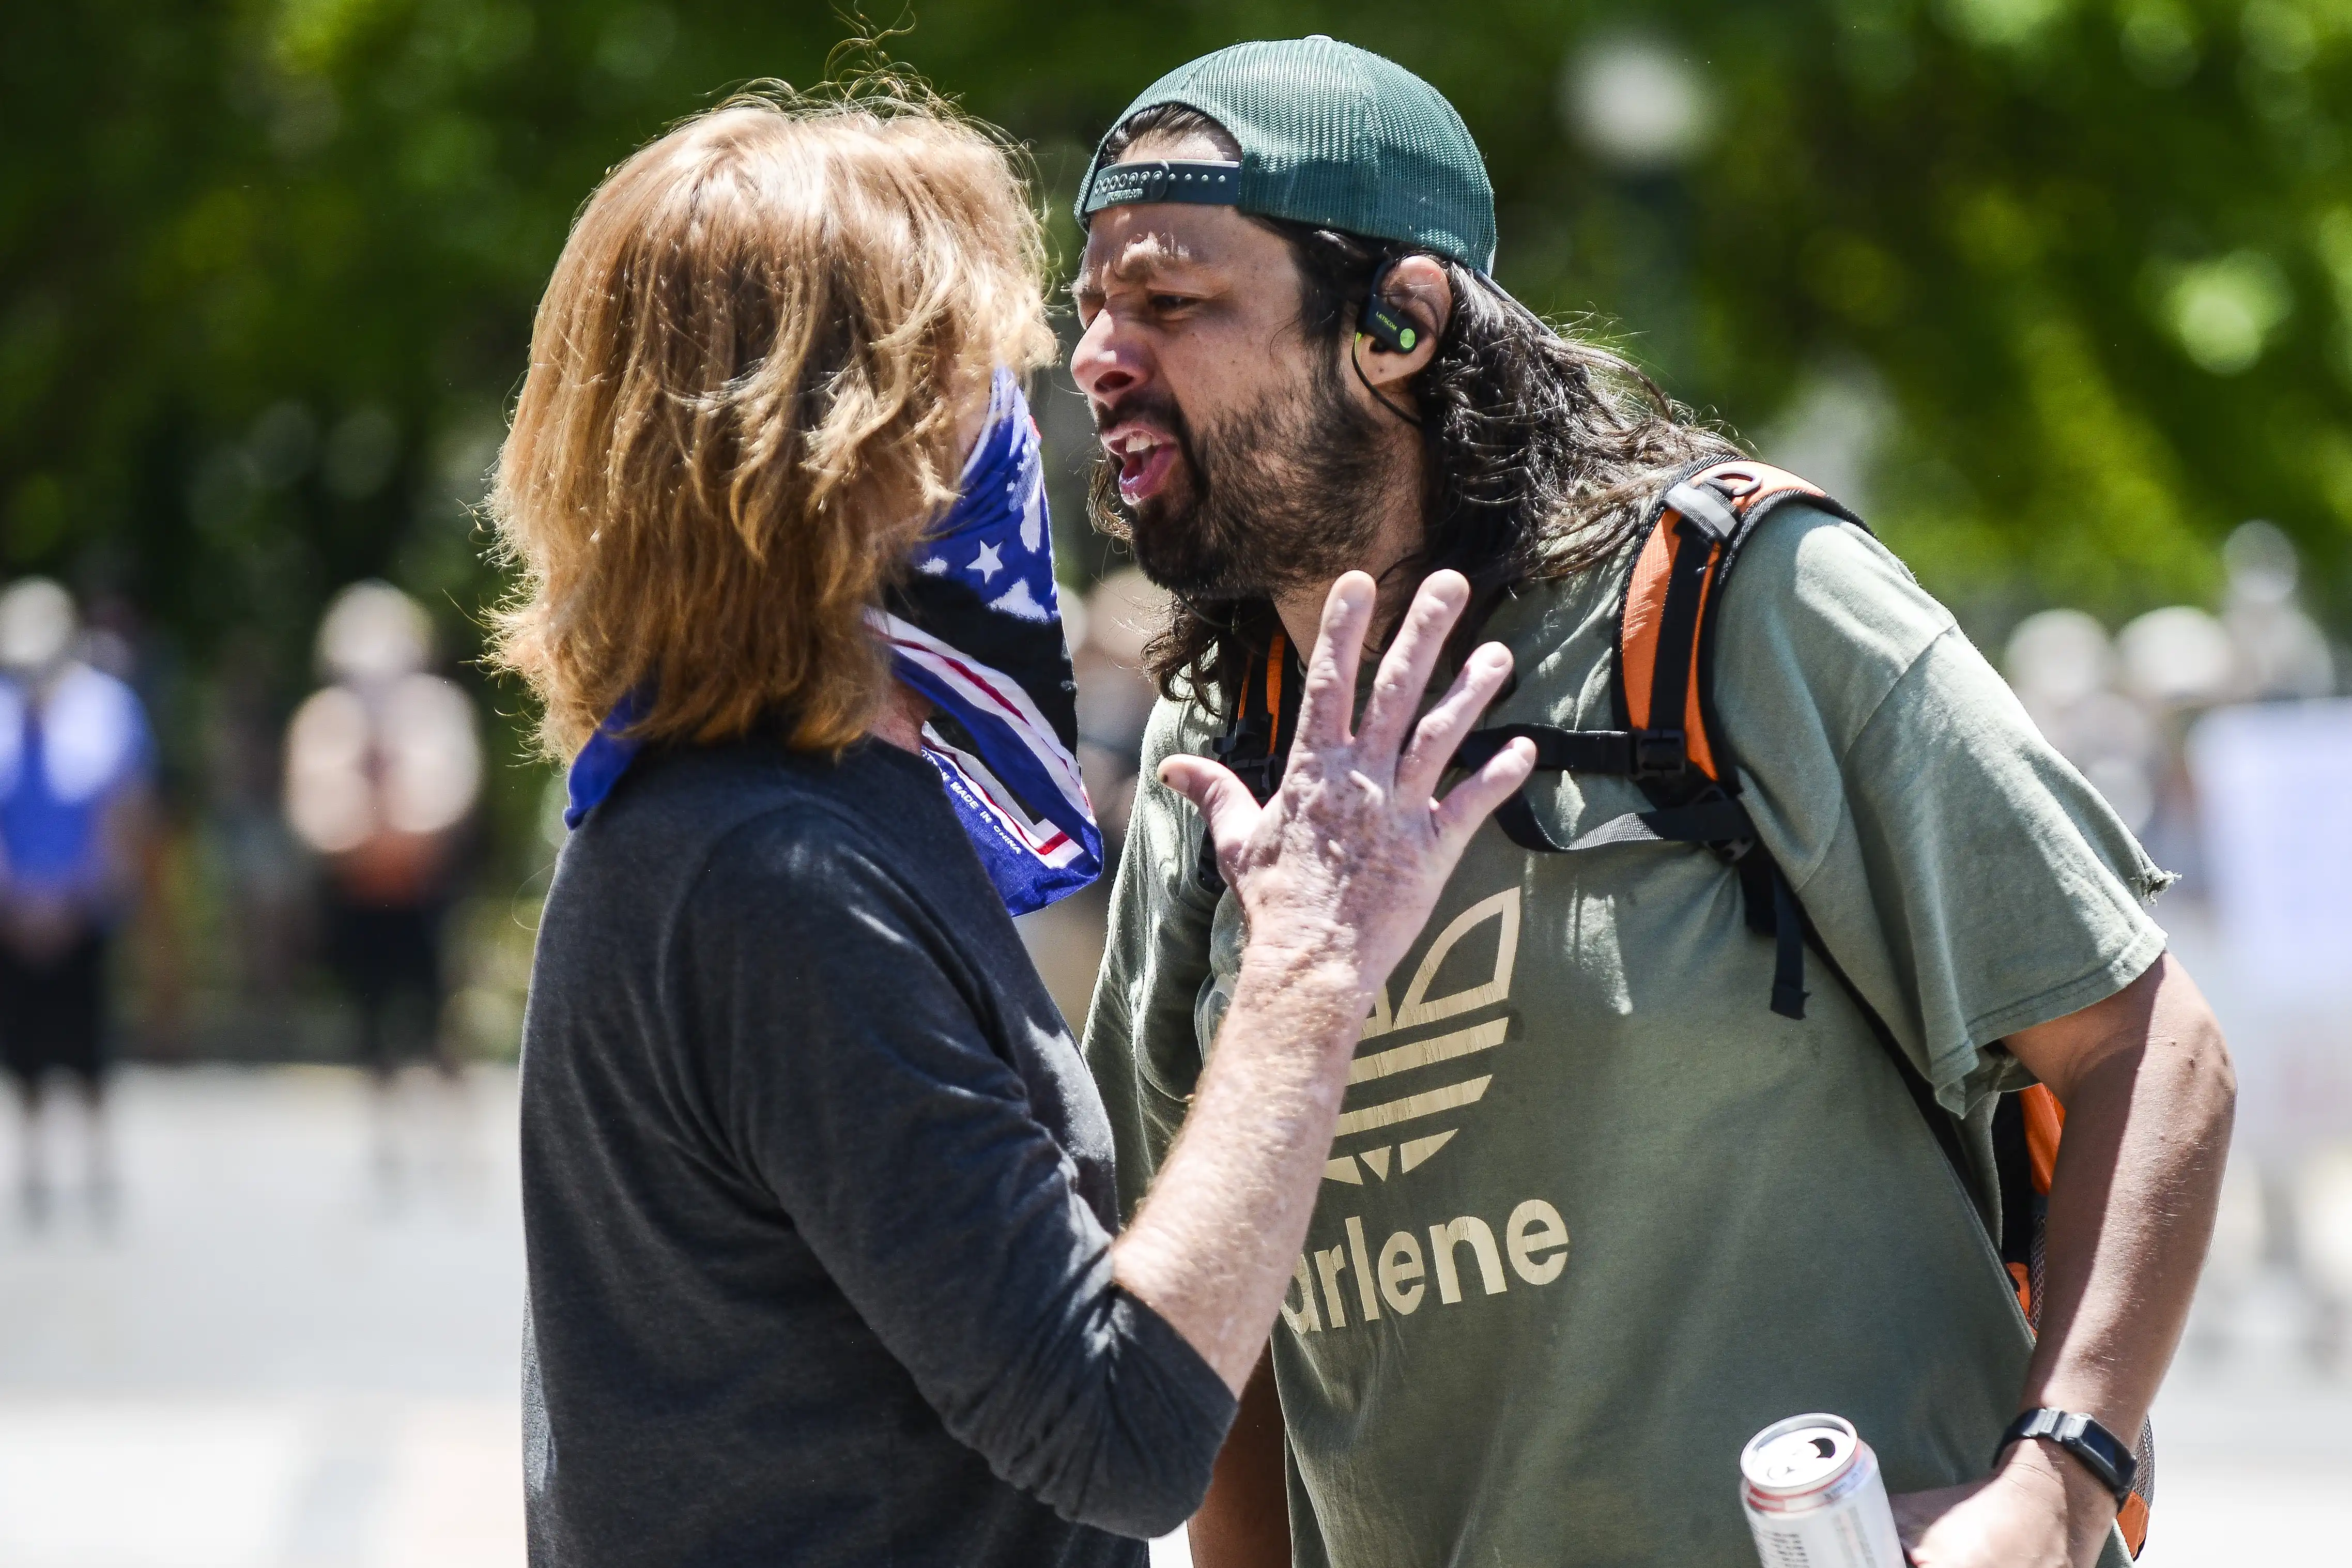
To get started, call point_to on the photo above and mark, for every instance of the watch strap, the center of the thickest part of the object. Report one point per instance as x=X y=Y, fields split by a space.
x=2113 y=1462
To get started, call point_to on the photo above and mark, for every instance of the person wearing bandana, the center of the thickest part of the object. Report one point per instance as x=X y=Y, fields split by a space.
x=825 y=1264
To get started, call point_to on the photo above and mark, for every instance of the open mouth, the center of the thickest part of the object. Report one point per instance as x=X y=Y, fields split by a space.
x=1144 y=457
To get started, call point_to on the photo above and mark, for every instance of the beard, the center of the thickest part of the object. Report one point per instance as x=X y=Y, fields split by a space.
x=1282 y=495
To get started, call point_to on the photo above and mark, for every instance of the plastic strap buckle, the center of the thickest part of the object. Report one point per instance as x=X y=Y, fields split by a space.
x=1214 y=183
x=1699 y=506
x=1659 y=752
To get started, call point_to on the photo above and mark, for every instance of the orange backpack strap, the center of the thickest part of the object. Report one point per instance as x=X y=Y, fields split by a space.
x=1697 y=527
x=1669 y=742
x=1258 y=743
x=1692 y=532
x=2026 y=1128
x=2046 y=1120
x=2132 y=1520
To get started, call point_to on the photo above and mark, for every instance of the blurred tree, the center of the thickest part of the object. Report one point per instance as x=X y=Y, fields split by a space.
x=2063 y=285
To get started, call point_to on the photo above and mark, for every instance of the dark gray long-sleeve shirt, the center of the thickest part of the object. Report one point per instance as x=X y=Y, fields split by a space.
x=818 y=1197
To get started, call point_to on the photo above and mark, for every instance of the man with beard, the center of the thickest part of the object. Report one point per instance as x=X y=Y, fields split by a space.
x=1596 y=1214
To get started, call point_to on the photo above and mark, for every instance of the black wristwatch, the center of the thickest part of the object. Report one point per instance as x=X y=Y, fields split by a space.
x=2112 y=1462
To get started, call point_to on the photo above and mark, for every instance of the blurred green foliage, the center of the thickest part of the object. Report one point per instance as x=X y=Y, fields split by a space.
x=2066 y=283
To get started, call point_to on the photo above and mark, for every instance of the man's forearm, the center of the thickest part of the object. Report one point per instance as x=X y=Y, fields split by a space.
x=2132 y=1203
x=2146 y=1081
x=1213 y=1250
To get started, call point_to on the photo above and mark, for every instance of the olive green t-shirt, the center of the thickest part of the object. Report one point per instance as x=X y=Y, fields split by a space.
x=1595 y=1214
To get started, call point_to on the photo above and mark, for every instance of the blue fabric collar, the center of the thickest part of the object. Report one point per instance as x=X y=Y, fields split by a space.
x=977 y=629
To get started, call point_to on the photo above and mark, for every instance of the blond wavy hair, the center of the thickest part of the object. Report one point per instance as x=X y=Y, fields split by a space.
x=747 y=377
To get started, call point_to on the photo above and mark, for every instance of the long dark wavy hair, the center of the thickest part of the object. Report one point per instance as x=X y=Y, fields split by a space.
x=1540 y=448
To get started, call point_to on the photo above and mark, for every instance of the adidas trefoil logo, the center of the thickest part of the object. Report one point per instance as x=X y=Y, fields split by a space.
x=1413 y=1111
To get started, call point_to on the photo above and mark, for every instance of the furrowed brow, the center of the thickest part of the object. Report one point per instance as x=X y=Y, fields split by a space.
x=1142 y=258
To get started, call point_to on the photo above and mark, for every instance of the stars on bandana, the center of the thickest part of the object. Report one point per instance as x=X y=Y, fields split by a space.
x=988 y=562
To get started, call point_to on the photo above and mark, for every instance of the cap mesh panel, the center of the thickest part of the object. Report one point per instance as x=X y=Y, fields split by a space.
x=1335 y=135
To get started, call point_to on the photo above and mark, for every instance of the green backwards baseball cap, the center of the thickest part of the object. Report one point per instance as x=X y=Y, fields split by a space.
x=1330 y=135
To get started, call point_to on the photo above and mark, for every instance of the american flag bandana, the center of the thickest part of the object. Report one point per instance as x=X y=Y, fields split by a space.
x=977 y=628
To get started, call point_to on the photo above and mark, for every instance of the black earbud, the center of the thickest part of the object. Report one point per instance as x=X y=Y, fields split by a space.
x=1391 y=333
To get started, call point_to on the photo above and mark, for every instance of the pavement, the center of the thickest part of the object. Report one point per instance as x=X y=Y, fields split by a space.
x=2253 y=1468
x=283 y=1351
x=287 y=1351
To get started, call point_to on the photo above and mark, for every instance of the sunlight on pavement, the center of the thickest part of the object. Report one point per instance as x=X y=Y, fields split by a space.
x=139 y=1485
x=296 y=1346
x=134 y=1484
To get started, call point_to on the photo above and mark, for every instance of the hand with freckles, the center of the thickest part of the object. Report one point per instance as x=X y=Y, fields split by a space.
x=1343 y=866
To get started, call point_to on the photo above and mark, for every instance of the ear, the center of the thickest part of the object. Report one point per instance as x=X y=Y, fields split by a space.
x=1417 y=289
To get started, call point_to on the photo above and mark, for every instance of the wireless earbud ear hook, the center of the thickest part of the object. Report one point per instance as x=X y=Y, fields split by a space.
x=1391 y=333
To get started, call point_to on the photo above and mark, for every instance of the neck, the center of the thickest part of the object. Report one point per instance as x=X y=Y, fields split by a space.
x=38 y=680
x=899 y=720
x=1398 y=538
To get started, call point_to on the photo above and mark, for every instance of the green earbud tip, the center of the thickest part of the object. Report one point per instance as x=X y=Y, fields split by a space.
x=1406 y=337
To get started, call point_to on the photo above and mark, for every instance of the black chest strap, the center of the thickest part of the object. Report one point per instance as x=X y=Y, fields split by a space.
x=1716 y=819
x=1691 y=534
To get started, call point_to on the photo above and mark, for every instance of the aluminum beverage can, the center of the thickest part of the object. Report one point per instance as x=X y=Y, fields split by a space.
x=1814 y=1496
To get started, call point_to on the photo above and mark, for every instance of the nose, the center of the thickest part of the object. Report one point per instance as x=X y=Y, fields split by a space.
x=1106 y=364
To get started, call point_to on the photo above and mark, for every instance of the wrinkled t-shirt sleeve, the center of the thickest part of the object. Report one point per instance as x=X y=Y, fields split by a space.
x=1968 y=879
x=855 y=1080
x=1140 y=1040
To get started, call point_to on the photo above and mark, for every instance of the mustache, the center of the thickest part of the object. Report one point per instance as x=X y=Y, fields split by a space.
x=1153 y=403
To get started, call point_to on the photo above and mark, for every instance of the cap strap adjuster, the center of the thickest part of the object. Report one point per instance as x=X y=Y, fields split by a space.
x=1162 y=179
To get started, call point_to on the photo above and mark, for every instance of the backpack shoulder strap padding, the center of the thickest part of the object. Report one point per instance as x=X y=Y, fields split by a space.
x=1692 y=535
x=1699 y=525
x=1692 y=532
x=1640 y=627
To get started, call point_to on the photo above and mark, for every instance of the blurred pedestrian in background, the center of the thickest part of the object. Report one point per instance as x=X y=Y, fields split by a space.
x=75 y=760
x=1114 y=695
x=383 y=770
x=2219 y=732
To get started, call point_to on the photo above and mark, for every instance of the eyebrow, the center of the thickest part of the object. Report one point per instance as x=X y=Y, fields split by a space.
x=1135 y=260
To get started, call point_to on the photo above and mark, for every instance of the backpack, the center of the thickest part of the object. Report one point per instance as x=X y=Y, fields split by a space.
x=1693 y=534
